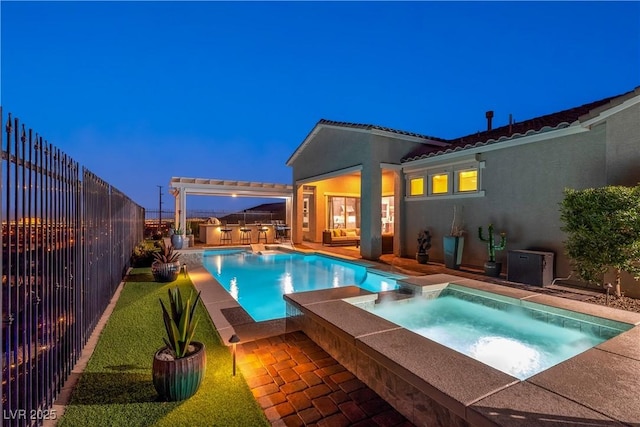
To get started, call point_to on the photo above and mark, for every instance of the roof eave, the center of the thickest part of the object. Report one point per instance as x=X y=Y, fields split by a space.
x=563 y=129
x=598 y=115
x=372 y=131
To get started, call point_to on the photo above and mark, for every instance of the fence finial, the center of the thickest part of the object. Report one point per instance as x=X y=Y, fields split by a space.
x=23 y=137
x=9 y=128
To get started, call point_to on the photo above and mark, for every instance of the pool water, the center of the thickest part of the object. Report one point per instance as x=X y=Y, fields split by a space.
x=502 y=333
x=258 y=281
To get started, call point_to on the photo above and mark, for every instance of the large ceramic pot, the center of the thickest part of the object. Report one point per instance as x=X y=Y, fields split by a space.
x=179 y=379
x=165 y=271
x=453 y=246
x=422 y=258
x=176 y=241
x=492 y=269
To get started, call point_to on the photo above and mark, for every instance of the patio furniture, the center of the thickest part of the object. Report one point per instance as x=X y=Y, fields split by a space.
x=282 y=231
x=225 y=233
x=245 y=233
x=341 y=236
x=262 y=232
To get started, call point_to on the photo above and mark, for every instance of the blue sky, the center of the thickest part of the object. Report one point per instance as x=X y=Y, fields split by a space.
x=141 y=92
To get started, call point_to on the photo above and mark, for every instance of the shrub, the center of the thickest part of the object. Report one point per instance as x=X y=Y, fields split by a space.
x=143 y=253
x=603 y=231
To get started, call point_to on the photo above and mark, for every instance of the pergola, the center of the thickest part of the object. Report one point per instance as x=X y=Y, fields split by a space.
x=181 y=187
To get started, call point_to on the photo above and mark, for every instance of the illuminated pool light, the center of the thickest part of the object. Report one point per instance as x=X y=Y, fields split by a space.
x=506 y=354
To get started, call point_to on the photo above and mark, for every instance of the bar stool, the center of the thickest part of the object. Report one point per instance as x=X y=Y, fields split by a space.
x=262 y=232
x=277 y=228
x=245 y=233
x=225 y=233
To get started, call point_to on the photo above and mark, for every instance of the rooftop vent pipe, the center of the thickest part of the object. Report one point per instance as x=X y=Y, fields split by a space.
x=489 y=115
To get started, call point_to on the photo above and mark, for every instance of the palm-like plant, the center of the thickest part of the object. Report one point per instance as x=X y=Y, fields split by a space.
x=179 y=322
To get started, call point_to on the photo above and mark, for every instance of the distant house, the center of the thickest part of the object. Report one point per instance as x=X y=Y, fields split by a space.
x=386 y=182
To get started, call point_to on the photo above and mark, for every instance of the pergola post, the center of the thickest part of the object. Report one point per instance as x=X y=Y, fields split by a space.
x=176 y=207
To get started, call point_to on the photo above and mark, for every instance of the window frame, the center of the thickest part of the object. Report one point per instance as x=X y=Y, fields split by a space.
x=331 y=223
x=410 y=180
x=456 y=177
x=431 y=173
x=306 y=203
x=452 y=170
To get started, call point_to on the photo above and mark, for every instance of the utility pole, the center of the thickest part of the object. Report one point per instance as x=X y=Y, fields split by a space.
x=160 y=209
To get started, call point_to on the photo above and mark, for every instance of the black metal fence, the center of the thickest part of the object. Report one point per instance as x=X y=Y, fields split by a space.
x=66 y=242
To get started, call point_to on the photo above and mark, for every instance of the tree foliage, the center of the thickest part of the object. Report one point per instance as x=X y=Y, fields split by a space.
x=603 y=230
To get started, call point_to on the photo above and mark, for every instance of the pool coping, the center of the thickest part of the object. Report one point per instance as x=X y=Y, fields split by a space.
x=599 y=385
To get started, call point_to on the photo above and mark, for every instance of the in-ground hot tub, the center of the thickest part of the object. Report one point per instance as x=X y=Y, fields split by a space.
x=433 y=385
x=515 y=336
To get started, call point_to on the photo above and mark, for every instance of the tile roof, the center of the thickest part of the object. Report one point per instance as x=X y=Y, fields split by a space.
x=536 y=125
x=376 y=127
x=438 y=142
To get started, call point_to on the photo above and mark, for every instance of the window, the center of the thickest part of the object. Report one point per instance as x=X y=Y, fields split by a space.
x=467 y=180
x=440 y=183
x=305 y=212
x=387 y=214
x=460 y=179
x=344 y=212
x=416 y=187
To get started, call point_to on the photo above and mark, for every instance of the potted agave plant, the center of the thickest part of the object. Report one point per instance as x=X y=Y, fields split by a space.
x=166 y=265
x=424 y=244
x=491 y=267
x=179 y=367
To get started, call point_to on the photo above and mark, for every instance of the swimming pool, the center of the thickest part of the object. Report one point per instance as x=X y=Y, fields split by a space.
x=258 y=281
x=517 y=337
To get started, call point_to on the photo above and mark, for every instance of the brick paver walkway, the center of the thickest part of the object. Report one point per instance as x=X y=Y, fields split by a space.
x=298 y=384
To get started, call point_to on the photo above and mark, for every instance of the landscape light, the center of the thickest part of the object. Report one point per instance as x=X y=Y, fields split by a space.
x=234 y=340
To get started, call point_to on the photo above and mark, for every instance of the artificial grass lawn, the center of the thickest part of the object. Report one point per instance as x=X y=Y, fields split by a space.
x=116 y=388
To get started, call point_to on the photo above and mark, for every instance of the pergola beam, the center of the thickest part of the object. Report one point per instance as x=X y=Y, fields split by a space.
x=182 y=187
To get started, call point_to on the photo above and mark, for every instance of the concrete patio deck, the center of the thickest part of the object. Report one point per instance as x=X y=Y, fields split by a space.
x=598 y=387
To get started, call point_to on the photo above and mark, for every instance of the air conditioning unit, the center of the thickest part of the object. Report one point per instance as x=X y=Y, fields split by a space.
x=530 y=267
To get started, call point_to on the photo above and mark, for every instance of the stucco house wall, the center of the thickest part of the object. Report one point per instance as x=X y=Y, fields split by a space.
x=623 y=147
x=523 y=177
x=333 y=148
x=524 y=186
x=523 y=189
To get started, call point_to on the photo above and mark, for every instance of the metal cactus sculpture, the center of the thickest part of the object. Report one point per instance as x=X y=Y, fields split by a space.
x=491 y=243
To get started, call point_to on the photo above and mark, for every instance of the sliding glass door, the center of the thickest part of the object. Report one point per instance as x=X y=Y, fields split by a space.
x=344 y=212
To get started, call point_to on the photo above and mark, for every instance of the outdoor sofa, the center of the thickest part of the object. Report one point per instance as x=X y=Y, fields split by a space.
x=341 y=236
